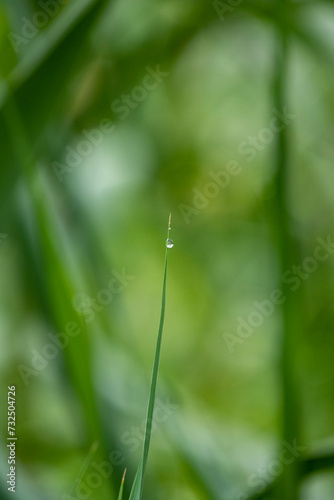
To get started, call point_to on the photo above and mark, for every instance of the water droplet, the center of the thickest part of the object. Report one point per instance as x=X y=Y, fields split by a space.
x=169 y=243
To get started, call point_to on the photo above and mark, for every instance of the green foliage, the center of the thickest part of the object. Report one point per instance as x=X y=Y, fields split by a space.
x=112 y=113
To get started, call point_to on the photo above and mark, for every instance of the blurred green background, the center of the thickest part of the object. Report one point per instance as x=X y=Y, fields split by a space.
x=113 y=114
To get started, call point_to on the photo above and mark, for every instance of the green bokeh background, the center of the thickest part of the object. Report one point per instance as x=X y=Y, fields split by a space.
x=65 y=234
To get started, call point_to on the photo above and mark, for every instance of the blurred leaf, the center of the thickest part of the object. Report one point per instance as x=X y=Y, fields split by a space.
x=38 y=82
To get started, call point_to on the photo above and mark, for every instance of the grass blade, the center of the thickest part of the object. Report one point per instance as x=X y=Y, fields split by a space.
x=120 y=494
x=137 y=487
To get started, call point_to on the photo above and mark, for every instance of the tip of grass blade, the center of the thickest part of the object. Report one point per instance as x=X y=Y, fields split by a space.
x=120 y=494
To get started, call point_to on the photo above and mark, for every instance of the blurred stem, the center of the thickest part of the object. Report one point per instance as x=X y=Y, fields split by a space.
x=288 y=484
x=318 y=463
x=309 y=465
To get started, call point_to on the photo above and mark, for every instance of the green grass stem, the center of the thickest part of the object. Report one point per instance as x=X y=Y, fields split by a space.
x=137 y=487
